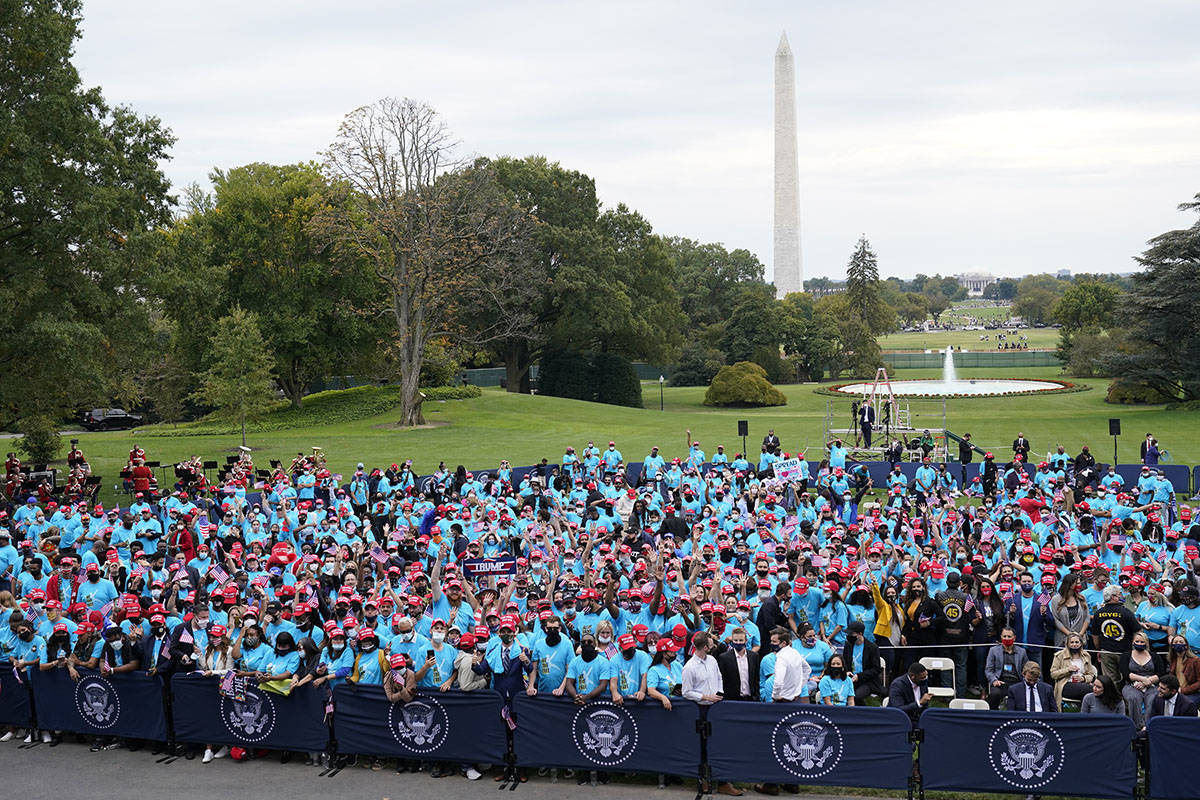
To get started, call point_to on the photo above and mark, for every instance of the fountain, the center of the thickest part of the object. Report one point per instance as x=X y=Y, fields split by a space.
x=951 y=386
x=948 y=376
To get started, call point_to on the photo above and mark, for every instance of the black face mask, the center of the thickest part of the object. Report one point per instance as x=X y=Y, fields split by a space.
x=26 y=636
x=553 y=637
x=588 y=651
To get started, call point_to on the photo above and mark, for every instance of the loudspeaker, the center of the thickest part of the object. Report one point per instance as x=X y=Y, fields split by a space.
x=743 y=427
x=1114 y=427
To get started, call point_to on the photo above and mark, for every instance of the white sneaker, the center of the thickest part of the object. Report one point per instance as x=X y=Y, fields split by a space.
x=7 y=736
x=224 y=751
x=46 y=737
x=29 y=737
x=208 y=756
x=473 y=774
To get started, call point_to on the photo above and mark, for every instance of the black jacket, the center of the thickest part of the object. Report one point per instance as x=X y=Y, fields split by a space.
x=731 y=679
x=771 y=615
x=900 y=695
x=871 y=673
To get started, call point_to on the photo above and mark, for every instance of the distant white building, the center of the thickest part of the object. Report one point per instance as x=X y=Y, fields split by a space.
x=976 y=282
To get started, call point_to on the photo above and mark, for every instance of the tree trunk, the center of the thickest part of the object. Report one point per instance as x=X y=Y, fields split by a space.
x=293 y=387
x=517 y=367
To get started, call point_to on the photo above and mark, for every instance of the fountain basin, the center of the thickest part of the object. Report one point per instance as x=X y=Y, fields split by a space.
x=983 y=387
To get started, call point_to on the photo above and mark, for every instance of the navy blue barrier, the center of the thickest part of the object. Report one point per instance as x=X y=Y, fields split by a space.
x=262 y=719
x=823 y=745
x=1178 y=474
x=1174 y=742
x=633 y=737
x=125 y=704
x=446 y=726
x=14 y=699
x=1000 y=751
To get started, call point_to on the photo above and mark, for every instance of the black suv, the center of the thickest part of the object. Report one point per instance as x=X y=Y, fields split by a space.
x=110 y=419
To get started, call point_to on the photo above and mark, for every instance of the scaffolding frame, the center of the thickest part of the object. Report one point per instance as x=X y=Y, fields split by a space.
x=903 y=417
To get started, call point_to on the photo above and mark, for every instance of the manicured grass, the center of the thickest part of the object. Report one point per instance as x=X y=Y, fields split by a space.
x=1039 y=339
x=480 y=432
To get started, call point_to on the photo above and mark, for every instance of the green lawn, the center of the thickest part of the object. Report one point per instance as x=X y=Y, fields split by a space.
x=524 y=429
x=1039 y=339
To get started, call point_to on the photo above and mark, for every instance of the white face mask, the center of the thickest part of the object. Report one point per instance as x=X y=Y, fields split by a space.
x=337 y=648
x=407 y=637
x=437 y=636
x=604 y=639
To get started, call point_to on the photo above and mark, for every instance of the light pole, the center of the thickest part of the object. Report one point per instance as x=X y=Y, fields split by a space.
x=661 y=381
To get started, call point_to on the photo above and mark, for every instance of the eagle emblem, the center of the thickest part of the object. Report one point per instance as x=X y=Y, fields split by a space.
x=251 y=718
x=420 y=725
x=1026 y=753
x=807 y=744
x=97 y=702
x=605 y=733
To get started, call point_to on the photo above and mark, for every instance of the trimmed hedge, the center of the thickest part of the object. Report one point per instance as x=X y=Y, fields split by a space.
x=593 y=377
x=451 y=393
x=743 y=384
x=1128 y=393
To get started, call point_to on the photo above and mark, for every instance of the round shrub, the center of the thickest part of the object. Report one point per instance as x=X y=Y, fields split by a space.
x=743 y=384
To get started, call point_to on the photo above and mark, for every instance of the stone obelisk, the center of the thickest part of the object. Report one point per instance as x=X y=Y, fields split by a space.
x=786 y=260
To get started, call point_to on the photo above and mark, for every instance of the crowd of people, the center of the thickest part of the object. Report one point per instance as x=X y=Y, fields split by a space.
x=701 y=577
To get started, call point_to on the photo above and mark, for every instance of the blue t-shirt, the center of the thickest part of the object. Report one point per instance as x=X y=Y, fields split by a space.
x=550 y=662
x=663 y=677
x=629 y=671
x=587 y=675
x=839 y=690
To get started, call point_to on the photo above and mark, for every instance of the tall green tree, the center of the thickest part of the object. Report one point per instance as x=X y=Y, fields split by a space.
x=319 y=312
x=1003 y=289
x=238 y=381
x=1036 y=296
x=1162 y=317
x=863 y=291
x=79 y=180
x=707 y=278
x=606 y=280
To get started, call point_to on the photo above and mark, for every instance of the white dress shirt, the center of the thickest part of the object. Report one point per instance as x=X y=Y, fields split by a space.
x=1033 y=700
x=743 y=665
x=791 y=674
x=700 y=677
x=1169 y=706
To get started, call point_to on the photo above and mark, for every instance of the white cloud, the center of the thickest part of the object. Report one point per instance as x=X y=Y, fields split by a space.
x=1014 y=139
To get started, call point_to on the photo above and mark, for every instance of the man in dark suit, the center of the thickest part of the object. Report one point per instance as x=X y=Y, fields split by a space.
x=771 y=442
x=1169 y=702
x=910 y=692
x=868 y=678
x=1031 y=695
x=739 y=668
x=866 y=422
x=773 y=612
x=1021 y=447
x=155 y=653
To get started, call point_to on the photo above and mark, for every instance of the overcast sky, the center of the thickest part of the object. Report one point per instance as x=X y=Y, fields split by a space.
x=1014 y=138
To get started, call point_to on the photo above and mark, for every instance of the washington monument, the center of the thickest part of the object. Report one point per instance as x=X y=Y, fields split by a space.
x=786 y=263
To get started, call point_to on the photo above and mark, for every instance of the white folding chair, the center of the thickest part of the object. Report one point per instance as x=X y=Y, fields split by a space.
x=969 y=704
x=935 y=664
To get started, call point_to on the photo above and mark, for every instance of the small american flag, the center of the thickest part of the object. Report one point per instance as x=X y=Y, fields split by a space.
x=377 y=553
x=106 y=609
x=186 y=637
x=218 y=574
